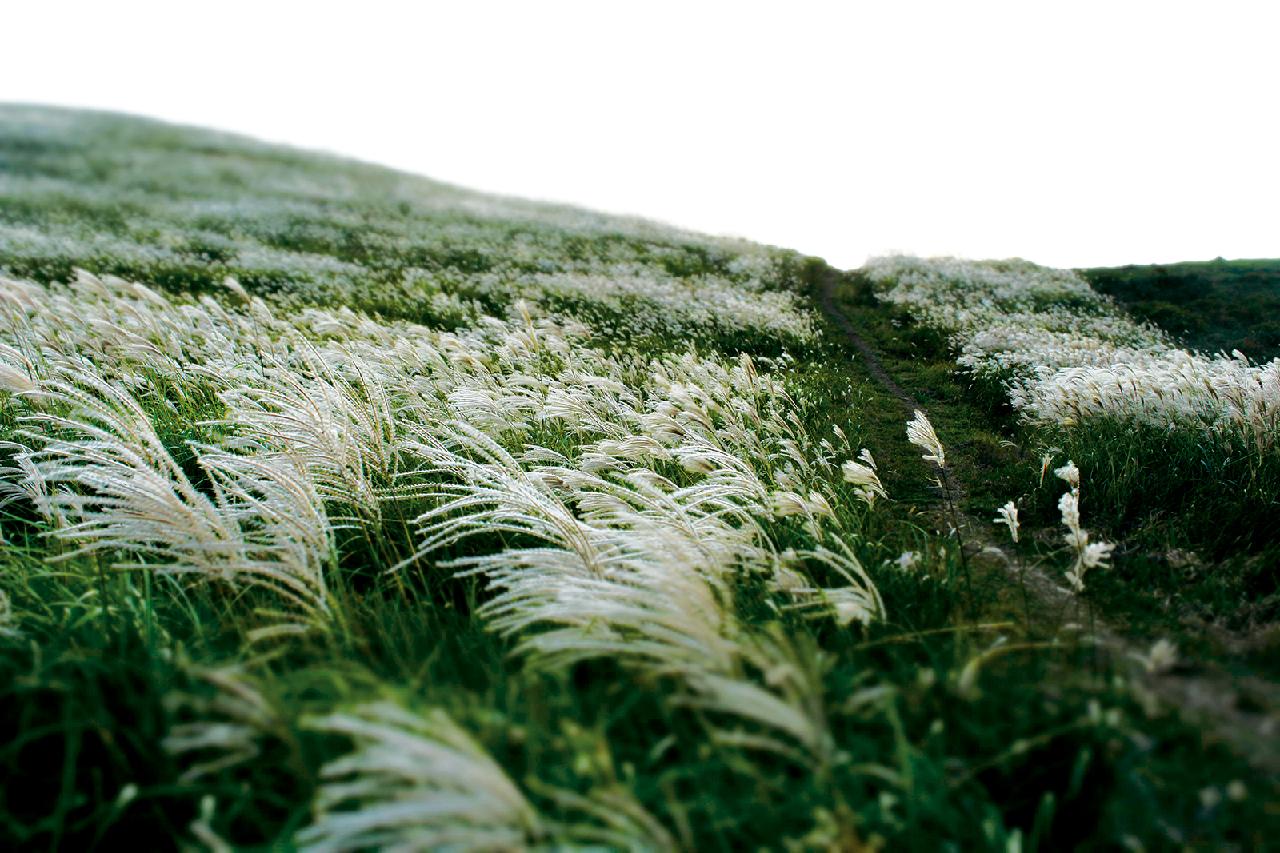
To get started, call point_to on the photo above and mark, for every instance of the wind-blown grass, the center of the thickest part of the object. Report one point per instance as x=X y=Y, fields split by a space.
x=348 y=510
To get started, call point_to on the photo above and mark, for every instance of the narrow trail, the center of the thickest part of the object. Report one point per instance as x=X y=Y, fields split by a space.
x=827 y=299
x=1240 y=711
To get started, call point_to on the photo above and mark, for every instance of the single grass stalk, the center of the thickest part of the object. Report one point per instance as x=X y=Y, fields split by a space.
x=1007 y=515
x=921 y=433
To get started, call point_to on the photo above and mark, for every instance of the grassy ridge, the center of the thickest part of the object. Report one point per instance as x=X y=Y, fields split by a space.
x=1212 y=305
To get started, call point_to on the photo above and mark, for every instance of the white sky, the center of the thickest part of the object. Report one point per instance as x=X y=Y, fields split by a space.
x=1069 y=133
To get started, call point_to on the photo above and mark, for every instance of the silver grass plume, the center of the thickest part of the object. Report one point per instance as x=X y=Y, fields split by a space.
x=865 y=477
x=414 y=782
x=123 y=495
x=629 y=569
x=1008 y=516
x=340 y=430
x=920 y=433
x=1088 y=555
x=228 y=726
x=8 y=624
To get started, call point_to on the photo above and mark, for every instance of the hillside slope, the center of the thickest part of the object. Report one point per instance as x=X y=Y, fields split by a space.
x=181 y=208
x=343 y=510
x=1212 y=305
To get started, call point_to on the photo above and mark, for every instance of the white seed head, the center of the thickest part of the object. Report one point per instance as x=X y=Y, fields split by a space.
x=1069 y=474
x=920 y=433
x=1008 y=516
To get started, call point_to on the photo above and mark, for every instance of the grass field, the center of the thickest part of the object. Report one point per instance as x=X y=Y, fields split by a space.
x=344 y=510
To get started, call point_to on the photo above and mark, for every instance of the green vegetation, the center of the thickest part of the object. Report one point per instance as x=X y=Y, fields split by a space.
x=1218 y=608
x=1177 y=450
x=1214 y=305
x=343 y=509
